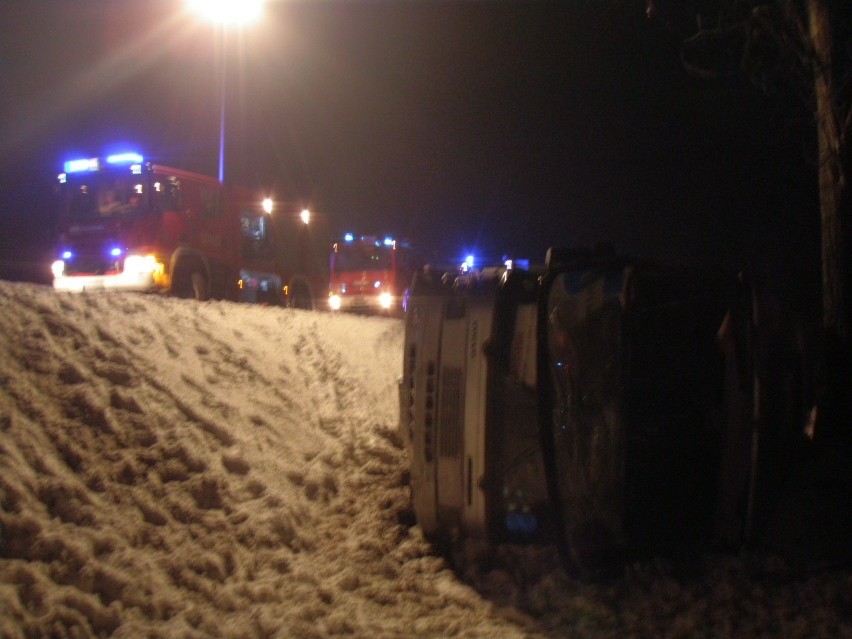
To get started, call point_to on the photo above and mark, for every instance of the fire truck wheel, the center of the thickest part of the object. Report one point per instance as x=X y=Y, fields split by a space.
x=199 y=286
x=300 y=298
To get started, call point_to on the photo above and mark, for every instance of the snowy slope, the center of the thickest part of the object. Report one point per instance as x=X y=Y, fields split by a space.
x=175 y=469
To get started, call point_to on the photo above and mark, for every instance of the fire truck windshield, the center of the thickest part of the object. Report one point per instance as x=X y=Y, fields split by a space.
x=362 y=258
x=103 y=194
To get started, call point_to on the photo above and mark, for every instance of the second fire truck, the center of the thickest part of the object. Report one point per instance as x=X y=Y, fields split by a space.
x=371 y=274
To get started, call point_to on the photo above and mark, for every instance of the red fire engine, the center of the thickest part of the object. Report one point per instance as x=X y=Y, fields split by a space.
x=369 y=274
x=126 y=224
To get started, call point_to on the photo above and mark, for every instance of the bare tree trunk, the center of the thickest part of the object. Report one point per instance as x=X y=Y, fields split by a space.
x=826 y=474
x=832 y=181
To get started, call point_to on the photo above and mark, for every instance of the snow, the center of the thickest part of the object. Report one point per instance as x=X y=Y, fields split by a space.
x=179 y=469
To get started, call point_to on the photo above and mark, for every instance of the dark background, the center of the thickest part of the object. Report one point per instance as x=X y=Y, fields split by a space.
x=498 y=128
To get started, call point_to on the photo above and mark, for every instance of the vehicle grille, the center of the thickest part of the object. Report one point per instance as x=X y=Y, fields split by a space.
x=90 y=265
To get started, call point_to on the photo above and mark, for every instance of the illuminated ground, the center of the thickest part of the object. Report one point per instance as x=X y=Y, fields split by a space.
x=174 y=469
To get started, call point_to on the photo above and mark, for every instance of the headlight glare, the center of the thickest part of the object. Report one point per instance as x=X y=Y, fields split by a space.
x=141 y=264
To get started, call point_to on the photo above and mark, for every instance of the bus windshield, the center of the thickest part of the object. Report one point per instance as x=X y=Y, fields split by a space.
x=362 y=258
x=103 y=194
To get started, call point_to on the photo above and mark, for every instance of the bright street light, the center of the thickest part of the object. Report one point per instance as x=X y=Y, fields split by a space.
x=225 y=13
x=306 y=216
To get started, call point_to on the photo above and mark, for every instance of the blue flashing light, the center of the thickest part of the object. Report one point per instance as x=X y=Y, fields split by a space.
x=115 y=252
x=469 y=261
x=67 y=255
x=348 y=237
x=124 y=158
x=81 y=165
x=388 y=241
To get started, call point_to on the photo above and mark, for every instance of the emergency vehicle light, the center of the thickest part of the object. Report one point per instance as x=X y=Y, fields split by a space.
x=511 y=263
x=124 y=158
x=388 y=241
x=136 y=264
x=115 y=252
x=348 y=237
x=66 y=255
x=80 y=165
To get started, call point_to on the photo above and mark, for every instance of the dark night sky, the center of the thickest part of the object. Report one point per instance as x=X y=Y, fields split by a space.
x=501 y=127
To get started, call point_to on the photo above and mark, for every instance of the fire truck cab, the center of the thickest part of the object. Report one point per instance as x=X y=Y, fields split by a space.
x=131 y=225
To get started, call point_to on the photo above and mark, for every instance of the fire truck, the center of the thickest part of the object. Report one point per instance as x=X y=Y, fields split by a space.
x=369 y=274
x=131 y=225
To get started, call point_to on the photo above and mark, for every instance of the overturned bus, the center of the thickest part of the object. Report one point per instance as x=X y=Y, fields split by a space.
x=592 y=402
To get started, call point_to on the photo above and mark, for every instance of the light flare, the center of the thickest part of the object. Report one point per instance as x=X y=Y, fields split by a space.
x=227 y=12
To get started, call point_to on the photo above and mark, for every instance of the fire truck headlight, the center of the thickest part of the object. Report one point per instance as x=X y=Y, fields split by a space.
x=58 y=268
x=139 y=264
x=334 y=302
x=385 y=300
